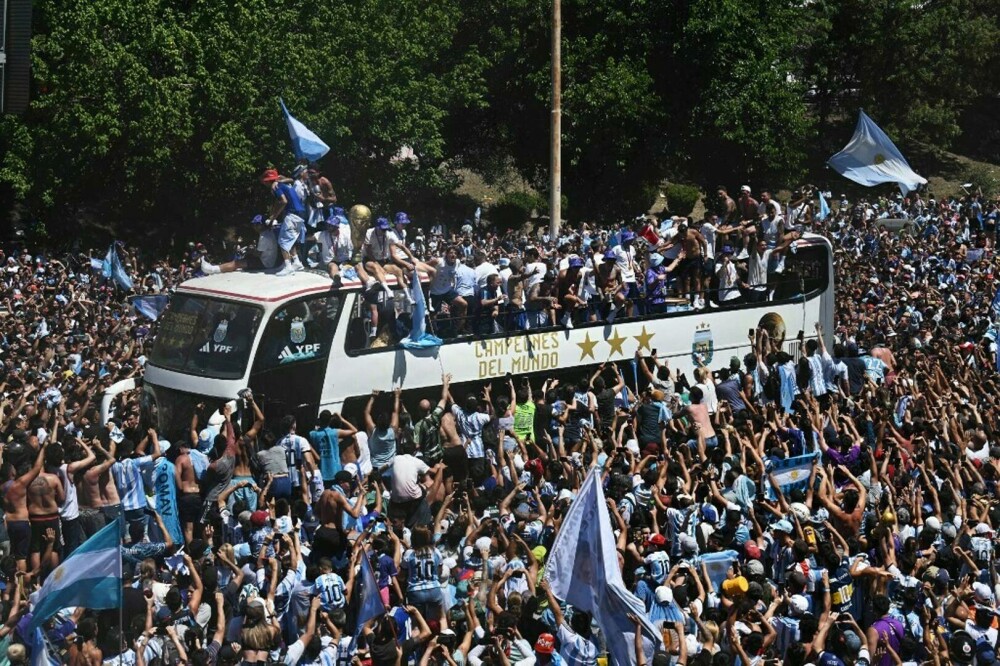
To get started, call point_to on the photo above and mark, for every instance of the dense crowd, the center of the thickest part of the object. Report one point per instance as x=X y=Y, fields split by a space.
x=884 y=554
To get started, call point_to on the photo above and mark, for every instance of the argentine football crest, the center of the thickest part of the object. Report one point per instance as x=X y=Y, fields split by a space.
x=220 y=331
x=297 y=332
x=703 y=344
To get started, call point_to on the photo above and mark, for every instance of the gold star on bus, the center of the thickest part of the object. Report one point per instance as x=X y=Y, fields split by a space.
x=644 y=339
x=616 y=341
x=587 y=347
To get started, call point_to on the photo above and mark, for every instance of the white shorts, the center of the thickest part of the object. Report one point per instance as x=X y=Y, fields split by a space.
x=288 y=234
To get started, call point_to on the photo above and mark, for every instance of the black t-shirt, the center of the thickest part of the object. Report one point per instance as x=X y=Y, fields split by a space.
x=606 y=406
x=649 y=423
x=543 y=417
x=855 y=374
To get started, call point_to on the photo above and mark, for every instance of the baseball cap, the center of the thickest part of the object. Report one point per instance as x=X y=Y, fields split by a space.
x=657 y=540
x=933 y=523
x=783 y=525
x=755 y=567
x=664 y=594
x=258 y=518
x=546 y=644
x=797 y=605
x=982 y=593
x=852 y=642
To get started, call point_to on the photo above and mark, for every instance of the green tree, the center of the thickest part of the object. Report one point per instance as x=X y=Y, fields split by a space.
x=156 y=114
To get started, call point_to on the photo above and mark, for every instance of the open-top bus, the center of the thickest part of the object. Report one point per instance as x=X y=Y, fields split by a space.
x=303 y=346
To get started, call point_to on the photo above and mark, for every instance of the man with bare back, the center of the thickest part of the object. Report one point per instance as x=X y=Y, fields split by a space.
x=15 y=506
x=46 y=495
x=90 y=493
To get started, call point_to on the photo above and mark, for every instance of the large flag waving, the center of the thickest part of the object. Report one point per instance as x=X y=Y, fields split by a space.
x=791 y=474
x=91 y=577
x=419 y=338
x=113 y=269
x=305 y=143
x=583 y=570
x=871 y=158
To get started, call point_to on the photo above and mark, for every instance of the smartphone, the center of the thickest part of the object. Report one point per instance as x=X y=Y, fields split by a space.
x=801 y=335
x=653 y=353
x=752 y=332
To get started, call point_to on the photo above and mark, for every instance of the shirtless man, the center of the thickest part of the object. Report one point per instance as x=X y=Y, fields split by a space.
x=46 y=495
x=15 y=506
x=189 y=498
x=84 y=651
x=695 y=248
x=89 y=491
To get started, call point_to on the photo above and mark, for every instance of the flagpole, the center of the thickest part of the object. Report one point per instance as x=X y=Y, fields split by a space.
x=555 y=148
x=121 y=595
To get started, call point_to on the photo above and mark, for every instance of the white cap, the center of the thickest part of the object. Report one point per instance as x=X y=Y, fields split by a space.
x=745 y=188
x=982 y=592
x=632 y=445
x=801 y=511
x=483 y=543
x=933 y=523
x=664 y=594
x=797 y=605
x=565 y=494
x=755 y=568
x=351 y=468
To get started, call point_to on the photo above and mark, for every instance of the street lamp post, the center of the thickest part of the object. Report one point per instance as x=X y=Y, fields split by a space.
x=555 y=185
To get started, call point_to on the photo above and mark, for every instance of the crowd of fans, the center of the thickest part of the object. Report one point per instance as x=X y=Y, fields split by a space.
x=885 y=555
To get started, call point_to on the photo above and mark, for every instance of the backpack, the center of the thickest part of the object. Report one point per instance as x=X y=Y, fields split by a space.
x=772 y=385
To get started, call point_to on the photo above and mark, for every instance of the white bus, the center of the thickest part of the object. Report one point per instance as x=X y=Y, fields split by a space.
x=304 y=347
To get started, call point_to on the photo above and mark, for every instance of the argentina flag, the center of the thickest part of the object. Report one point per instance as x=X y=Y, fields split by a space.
x=791 y=474
x=91 y=577
x=305 y=143
x=718 y=565
x=419 y=338
x=871 y=158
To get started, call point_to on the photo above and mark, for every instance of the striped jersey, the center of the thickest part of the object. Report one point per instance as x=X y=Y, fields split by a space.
x=128 y=479
x=422 y=570
x=331 y=591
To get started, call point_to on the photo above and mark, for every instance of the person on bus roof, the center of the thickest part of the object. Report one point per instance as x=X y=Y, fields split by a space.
x=289 y=211
x=376 y=255
x=336 y=247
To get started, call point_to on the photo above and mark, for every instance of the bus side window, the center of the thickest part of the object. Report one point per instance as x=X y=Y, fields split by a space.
x=299 y=331
x=378 y=320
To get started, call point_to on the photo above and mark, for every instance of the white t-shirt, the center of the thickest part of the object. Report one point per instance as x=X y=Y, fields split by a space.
x=483 y=272
x=534 y=274
x=267 y=248
x=729 y=281
x=708 y=231
x=365 y=455
x=377 y=247
x=406 y=471
x=335 y=247
x=70 y=509
x=444 y=279
x=757 y=270
x=624 y=259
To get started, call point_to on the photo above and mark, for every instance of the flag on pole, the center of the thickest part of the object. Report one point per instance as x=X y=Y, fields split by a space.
x=824 y=208
x=151 y=306
x=419 y=338
x=582 y=569
x=91 y=577
x=305 y=143
x=871 y=158
x=370 y=601
x=112 y=268
x=791 y=474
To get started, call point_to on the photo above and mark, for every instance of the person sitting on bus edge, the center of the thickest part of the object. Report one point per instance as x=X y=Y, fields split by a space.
x=289 y=211
x=263 y=257
x=442 y=289
x=336 y=247
x=728 y=278
x=609 y=279
x=404 y=257
x=536 y=302
x=376 y=255
x=569 y=287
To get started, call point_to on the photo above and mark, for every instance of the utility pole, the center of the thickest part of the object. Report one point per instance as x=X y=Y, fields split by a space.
x=555 y=175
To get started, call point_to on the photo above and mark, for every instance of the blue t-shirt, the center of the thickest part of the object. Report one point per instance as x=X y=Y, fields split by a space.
x=294 y=203
x=327 y=442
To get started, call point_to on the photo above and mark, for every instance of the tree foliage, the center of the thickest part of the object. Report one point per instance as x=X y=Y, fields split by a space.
x=152 y=114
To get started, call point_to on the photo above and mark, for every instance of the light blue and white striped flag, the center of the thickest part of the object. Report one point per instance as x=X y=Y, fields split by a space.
x=305 y=143
x=582 y=570
x=791 y=474
x=419 y=338
x=718 y=565
x=91 y=577
x=871 y=158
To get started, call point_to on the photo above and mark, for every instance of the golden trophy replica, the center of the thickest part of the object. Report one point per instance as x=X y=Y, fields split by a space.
x=360 y=217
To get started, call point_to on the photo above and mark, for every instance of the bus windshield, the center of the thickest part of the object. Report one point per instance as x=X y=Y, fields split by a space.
x=206 y=337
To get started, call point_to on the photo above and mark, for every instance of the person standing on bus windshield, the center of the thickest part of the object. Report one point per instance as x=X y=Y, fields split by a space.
x=289 y=211
x=382 y=427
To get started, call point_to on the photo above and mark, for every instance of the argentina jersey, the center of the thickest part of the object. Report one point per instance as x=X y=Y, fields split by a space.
x=422 y=570
x=331 y=590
